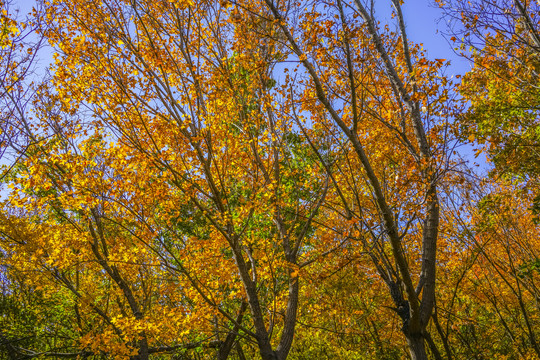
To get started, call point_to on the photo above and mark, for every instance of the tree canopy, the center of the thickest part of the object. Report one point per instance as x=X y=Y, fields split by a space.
x=267 y=180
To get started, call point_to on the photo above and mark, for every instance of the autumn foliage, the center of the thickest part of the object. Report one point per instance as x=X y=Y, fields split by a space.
x=265 y=180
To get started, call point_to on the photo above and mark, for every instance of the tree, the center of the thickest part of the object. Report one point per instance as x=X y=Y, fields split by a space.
x=366 y=84
x=181 y=153
x=93 y=246
x=488 y=308
x=19 y=47
x=502 y=39
x=180 y=163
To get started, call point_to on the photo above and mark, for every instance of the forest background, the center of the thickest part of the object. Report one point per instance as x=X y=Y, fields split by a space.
x=196 y=179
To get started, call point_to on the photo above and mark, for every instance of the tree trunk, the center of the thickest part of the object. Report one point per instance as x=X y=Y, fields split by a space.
x=227 y=345
x=417 y=346
x=143 y=348
x=290 y=319
x=250 y=287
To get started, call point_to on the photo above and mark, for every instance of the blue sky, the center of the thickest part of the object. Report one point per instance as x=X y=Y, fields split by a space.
x=424 y=25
